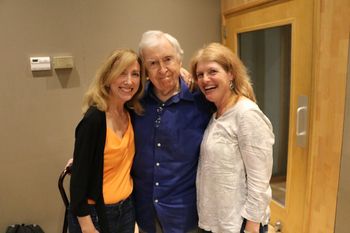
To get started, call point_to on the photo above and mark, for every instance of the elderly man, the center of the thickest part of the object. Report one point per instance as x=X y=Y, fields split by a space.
x=167 y=140
x=167 y=137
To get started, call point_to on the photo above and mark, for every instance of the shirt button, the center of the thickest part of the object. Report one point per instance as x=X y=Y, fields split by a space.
x=159 y=145
x=157 y=164
x=157 y=183
x=156 y=200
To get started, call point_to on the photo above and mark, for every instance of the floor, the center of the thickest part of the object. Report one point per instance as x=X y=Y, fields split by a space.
x=271 y=229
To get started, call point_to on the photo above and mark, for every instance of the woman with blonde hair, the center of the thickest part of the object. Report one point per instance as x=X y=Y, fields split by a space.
x=101 y=184
x=235 y=164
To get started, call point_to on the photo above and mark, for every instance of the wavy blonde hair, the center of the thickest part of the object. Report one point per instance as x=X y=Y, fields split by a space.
x=98 y=93
x=215 y=52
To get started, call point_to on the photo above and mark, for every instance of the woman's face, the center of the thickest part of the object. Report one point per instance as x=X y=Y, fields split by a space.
x=124 y=87
x=214 y=82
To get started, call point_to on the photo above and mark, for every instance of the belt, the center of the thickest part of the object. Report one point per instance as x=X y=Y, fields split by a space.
x=121 y=203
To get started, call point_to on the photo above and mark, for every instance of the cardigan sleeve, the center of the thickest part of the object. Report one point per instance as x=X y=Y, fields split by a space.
x=87 y=135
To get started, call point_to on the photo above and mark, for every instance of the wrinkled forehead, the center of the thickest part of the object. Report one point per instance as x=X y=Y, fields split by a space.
x=163 y=48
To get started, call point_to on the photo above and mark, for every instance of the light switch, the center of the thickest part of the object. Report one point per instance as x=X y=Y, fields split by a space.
x=63 y=62
x=40 y=63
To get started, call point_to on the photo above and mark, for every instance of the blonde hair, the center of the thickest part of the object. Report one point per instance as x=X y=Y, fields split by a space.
x=215 y=52
x=98 y=93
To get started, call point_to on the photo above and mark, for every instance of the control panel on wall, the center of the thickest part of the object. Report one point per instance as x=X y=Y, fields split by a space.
x=44 y=63
x=40 y=63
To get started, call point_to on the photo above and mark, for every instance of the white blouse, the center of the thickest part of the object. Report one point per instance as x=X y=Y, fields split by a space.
x=234 y=169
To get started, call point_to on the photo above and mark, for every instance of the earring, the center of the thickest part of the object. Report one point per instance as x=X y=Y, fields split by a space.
x=232 y=85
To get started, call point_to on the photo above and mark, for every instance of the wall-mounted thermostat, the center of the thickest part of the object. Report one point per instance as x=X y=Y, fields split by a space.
x=40 y=63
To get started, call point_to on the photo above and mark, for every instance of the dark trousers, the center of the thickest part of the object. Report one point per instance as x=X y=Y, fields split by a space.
x=160 y=230
x=263 y=229
x=120 y=216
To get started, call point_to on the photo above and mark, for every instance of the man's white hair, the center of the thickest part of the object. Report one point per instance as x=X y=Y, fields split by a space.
x=152 y=38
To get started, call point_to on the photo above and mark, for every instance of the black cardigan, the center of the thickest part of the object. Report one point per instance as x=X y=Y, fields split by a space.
x=87 y=170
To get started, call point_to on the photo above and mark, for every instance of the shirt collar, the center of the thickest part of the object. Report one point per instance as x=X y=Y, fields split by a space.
x=184 y=93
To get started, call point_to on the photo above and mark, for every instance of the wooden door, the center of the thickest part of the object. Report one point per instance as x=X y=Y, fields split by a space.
x=292 y=22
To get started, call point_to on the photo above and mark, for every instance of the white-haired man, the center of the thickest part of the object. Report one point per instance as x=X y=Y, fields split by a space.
x=167 y=137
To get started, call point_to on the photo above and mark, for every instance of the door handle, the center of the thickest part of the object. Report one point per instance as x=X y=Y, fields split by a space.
x=301 y=121
x=301 y=127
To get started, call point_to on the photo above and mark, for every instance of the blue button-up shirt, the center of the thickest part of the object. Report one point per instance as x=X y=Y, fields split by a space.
x=167 y=139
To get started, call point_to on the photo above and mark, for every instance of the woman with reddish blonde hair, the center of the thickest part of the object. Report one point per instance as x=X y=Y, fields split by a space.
x=235 y=164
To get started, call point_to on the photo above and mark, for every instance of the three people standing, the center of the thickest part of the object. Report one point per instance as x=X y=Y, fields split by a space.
x=169 y=121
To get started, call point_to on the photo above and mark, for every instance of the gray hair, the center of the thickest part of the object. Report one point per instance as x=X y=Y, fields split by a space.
x=151 y=39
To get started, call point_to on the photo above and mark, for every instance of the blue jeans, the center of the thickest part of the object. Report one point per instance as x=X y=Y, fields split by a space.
x=120 y=216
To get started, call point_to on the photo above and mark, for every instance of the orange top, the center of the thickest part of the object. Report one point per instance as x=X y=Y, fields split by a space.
x=118 y=157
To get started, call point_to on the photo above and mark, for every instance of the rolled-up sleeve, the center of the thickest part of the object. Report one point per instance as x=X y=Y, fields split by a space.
x=256 y=138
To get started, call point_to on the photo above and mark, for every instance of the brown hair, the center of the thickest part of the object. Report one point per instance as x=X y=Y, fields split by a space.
x=215 y=52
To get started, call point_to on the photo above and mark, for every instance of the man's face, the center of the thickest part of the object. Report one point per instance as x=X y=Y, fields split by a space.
x=163 y=66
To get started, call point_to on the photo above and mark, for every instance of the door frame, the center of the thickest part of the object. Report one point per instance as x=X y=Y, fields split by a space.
x=278 y=13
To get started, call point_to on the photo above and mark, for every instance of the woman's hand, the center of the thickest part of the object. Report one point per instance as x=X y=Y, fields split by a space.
x=69 y=163
x=252 y=227
x=86 y=224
